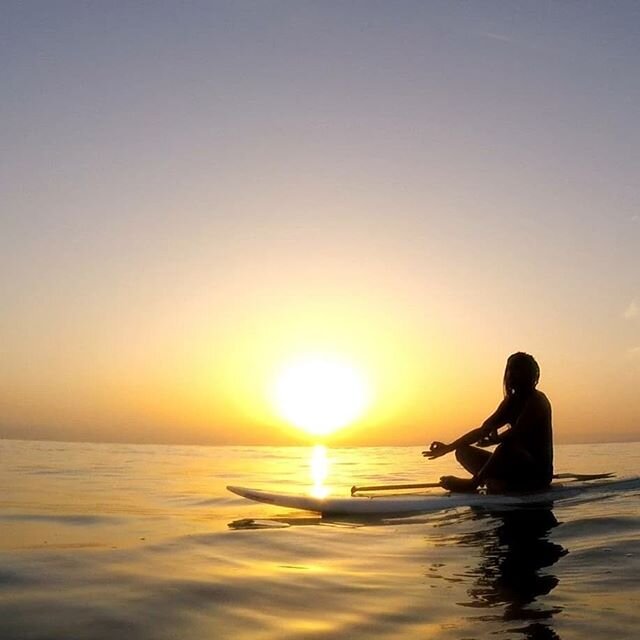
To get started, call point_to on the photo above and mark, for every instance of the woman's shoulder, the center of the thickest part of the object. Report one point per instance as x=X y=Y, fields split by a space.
x=541 y=400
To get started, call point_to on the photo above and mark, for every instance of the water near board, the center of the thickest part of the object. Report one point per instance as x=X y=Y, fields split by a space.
x=144 y=542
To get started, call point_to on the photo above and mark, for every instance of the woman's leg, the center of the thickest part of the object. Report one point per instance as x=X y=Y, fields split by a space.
x=472 y=458
x=510 y=468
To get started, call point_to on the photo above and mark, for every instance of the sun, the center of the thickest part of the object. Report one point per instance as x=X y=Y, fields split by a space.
x=320 y=394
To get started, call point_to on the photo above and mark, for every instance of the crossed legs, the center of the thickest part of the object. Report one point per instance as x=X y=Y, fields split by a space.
x=508 y=468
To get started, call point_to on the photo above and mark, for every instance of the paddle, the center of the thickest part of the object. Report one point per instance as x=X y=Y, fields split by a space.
x=583 y=476
x=432 y=485
x=391 y=487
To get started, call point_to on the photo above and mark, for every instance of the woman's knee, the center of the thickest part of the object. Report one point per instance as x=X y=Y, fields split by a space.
x=462 y=454
x=472 y=458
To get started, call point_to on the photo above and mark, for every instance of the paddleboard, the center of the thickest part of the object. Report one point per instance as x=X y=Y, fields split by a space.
x=418 y=503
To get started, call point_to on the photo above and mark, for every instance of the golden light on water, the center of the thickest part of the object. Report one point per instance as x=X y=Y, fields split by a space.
x=320 y=394
x=319 y=471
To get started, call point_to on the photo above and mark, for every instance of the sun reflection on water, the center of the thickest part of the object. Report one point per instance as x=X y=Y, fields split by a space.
x=319 y=464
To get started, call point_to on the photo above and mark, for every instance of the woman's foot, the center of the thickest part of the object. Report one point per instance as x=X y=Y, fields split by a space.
x=458 y=485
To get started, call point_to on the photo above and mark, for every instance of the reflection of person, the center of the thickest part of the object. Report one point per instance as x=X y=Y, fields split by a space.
x=523 y=460
x=510 y=576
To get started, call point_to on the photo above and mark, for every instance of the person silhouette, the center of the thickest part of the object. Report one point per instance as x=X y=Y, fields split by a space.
x=523 y=459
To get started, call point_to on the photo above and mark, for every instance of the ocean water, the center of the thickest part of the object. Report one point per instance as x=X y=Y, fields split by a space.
x=110 y=541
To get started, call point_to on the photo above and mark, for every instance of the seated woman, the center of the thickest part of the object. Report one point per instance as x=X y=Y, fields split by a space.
x=523 y=459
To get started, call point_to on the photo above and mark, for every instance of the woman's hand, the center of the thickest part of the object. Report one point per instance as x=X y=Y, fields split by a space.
x=493 y=437
x=436 y=449
x=490 y=439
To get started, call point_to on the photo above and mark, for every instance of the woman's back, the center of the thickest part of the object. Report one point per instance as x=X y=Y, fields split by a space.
x=532 y=431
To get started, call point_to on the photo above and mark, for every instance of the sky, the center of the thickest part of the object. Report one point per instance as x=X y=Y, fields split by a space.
x=192 y=194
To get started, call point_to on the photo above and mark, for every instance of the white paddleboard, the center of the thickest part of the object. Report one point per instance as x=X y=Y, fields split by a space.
x=416 y=503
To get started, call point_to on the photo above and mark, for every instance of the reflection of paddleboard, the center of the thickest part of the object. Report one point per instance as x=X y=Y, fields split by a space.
x=415 y=503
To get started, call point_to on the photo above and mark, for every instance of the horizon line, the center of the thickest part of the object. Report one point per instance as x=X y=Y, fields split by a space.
x=262 y=444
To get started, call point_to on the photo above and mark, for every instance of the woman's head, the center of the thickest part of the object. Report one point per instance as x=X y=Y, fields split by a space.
x=521 y=374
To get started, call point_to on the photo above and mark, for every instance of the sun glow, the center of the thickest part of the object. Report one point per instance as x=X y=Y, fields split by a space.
x=320 y=394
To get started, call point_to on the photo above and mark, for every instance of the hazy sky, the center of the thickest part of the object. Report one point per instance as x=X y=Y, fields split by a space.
x=193 y=192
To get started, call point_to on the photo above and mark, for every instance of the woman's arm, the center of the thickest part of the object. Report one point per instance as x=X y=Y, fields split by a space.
x=497 y=419
x=438 y=449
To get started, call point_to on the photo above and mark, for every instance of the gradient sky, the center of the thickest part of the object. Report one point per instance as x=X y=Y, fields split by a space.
x=192 y=192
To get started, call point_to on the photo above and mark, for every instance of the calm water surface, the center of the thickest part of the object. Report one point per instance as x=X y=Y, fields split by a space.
x=143 y=542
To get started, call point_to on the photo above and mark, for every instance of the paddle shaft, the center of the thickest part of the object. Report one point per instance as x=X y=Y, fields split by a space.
x=391 y=487
x=433 y=485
